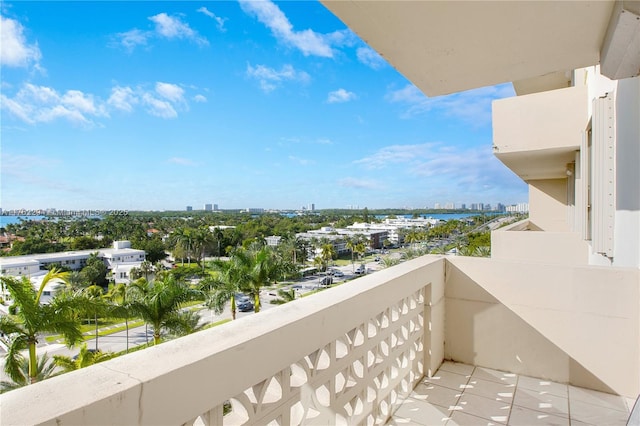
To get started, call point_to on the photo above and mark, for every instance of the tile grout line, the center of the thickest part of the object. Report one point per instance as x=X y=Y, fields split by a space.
x=461 y=393
x=513 y=398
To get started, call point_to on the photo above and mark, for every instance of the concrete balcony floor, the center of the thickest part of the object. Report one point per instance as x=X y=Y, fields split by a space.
x=460 y=394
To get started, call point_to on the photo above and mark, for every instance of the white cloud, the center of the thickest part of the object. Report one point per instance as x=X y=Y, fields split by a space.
x=172 y=27
x=395 y=154
x=340 y=95
x=40 y=104
x=271 y=78
x=123 y=98
x=170 y=91
x=301 y=161
x=16 y=51
x=351 y=182
x=464 y=170
x=370 y=58
x=168 y=27
x=158 y=107
x=472 y=106
x=307 y=41
x=181 y=161
x=219 y=21
x=132 y=38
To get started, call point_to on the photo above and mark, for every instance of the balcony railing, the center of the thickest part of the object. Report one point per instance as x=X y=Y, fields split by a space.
x=350 y=354
x=344 y=356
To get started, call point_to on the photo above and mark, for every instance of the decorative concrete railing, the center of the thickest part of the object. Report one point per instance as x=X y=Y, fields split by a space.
x=347 y=355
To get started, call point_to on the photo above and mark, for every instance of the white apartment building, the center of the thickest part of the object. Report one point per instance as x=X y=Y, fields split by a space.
x=119 y=259
x=394 y=227
x=558 y=302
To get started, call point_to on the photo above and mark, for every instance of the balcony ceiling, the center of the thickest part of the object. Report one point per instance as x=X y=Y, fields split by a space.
x=450 y=46
x=541 y=164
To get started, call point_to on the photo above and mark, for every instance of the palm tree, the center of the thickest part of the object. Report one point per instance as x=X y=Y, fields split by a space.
x=202 y=241
x=351 y=245
x=44 y=370
x=94 y=298
x=32 y=318
x=223 y=285
x=85 y=358
x=117 y=294
x=285 y=296
x=160 y=306
x=328 y=252
x=252 y=270
x=146 y=268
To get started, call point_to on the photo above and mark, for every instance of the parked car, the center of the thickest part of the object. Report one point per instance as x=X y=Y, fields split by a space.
x=360 y=270
x=338 y=274
x=326 y=281
x=245 y=306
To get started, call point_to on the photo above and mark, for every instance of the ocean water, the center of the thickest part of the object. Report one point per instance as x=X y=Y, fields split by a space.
x=6 y=220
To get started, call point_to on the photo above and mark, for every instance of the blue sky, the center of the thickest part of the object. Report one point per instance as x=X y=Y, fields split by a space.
x=159 y=105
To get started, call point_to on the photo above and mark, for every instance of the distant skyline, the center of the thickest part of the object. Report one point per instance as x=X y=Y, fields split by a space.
x=160 y=105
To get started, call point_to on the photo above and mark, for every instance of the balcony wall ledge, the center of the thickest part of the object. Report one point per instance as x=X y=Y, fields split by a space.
x=205 y=369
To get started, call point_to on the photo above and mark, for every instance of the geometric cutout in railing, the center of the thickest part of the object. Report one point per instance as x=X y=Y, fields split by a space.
x=371 y=358
x=358 y=405
x=358 y=368
x=342 y=348
x=371 y=394
x=372 y=329
x=298 y=376
x=239 y=413
x=323 y=395
x=340 y=382
x=393 y=373
x=395 y=314
x=394 y=341
x=296 y=413
x=384 y=348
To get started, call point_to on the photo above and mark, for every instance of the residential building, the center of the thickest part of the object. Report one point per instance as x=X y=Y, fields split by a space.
x=273 y=240
x=119 y=260
x=559 y=300
x=208 y=207
x=189 y=208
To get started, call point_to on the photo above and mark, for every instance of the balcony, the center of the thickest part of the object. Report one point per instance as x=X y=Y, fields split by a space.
x=537 y=135
x=354 y=354
x=526 y=241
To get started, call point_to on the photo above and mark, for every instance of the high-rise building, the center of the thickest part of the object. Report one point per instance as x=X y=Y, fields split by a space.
x=189 y=208
x=208 y=207
x=215 y=207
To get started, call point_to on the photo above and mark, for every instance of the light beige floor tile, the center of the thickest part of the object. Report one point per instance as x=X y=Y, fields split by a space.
x=543 y=402
x=578 y=423
x=521 y=416
x=596 y=415
x=494 y=376
x=448 y=380
x=399 y=421
x=435 y=394
x=493 y=390
x=542 y=385
x=496 y=411
x=601 y=399
x=421 y=413
x=457 y=367
x=459 y=418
